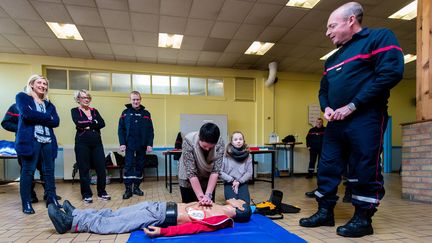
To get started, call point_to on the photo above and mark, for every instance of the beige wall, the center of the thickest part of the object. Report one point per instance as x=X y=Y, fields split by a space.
x=281 y=108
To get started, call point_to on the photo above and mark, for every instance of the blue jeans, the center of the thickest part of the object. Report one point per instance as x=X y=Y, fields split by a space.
x=44 y=152
x=243 y=192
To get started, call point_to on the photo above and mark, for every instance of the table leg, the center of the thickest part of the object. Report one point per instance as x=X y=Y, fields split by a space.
x=170 y=174
x=166 y=171
x=272 y=169
x=291 y=160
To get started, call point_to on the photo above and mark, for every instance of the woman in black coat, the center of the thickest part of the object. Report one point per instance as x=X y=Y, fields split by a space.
x=89 y=150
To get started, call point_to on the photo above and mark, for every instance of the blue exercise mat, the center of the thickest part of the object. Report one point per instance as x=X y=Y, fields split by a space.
x=258 y=229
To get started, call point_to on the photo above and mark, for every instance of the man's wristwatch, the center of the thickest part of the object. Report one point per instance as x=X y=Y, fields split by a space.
x=209 y=195
x=352 y=107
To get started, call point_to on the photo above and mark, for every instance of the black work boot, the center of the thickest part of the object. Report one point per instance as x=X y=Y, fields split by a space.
x=359 y=225
x=61 y=221
x=68 y=207
x=310 y=194
x=323 y=217
x=137 y=190
x=128 y=192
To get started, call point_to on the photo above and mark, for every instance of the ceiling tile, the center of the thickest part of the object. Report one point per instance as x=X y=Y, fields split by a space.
x=74 y=46
x=207 y=56
x=238 y=46
x=187 y=55
x=145 y=22
x=215 y=44
x=262 y=14
x=84 y=55
x=5 y=42
x=314 y=20
x=104 y=57
x=95 y=34
x=272 y=34
x=112 y=4
x=147 y=59
x=248 y=32
x=168 y=53
x=277 y=2
x=186 y=62
x=39 y=51
x=248 y=59
x=120 y=36
x=225 y=30
x=123 y=50
x=179 y=8
x=228 y=59
x=85 y=16
x=125 y=58
x=145 y=6
x=168 y=60
x=198 y=27
x=115 y=19
x=36 y=28
x=8 y=26
x=146 y=38
x=20 y=9
x=235 y=11
x=88 y=3
x=21 y=41
x=145 y=51
x=99 y=48
x=3 y=13
x=172 y=25
x=52 y=12
x=193 y=43
x=6 y=49
x=57 y=53
x=48 y=43
x=206 y=9
x=288 y=17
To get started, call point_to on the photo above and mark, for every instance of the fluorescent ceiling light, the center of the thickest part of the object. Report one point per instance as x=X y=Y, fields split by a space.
x=406 y=13
x=326 y=56
x=170 y=40
x=259 y=48
x=65 y=31
x=409 y=58
x=302 y=3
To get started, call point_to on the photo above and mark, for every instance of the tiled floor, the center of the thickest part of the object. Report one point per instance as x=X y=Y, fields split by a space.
x=397 y=220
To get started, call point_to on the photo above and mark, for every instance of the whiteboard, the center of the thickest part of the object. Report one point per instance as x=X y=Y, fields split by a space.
x=193 y=122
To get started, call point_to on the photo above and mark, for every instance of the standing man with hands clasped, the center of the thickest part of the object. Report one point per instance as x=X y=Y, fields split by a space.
x=135 y=132
x=353 y=94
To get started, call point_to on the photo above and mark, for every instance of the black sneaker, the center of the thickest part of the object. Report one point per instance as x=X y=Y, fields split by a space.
x=68 y=207
x=88 y=200
x=105 y=197
x=61 y=221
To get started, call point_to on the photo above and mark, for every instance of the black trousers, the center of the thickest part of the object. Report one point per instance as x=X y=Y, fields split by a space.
x=314 y=154
x=188 y=194
x=91 y=156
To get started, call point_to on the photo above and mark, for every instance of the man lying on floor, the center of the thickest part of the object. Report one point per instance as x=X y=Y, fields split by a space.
x=156 y=218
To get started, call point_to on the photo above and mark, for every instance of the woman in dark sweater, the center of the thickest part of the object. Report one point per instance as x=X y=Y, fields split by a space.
x=35 y=139
x=89 y=150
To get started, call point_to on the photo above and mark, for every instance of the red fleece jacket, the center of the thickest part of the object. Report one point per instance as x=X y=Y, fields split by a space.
x=206 y=225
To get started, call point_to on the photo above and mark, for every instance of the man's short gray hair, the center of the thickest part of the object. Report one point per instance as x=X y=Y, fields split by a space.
x=353 y=8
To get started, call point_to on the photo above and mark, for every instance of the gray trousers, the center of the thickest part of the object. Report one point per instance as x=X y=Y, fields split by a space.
x=123 y=220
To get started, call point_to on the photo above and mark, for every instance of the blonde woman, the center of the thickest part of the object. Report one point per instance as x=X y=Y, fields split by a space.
x=89 y=151
x=35 y=139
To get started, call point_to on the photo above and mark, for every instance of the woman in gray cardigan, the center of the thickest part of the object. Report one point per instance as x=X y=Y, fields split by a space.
x=237 y=168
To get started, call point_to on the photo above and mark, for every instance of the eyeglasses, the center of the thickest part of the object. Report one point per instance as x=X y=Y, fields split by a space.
x=85 y=98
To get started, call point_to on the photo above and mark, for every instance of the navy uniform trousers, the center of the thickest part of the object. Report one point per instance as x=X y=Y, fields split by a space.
x=134 y=162
x=357 y=140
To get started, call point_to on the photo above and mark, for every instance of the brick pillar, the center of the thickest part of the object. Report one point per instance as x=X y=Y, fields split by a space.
x=417 y=161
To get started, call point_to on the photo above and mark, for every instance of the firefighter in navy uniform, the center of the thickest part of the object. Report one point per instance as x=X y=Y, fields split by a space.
x=354 y=92
x=135 y=132
x=314 y=140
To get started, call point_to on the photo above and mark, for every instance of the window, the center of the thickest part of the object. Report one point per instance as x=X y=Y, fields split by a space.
x=198 y=86
x=57 y=78
x=100 y=81
x=160 y=84
x=121 y=82
x=179 y=85
x=78 y=80
x=215 y=87
x=141 y=83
